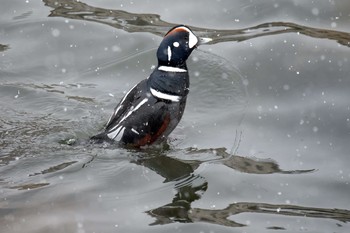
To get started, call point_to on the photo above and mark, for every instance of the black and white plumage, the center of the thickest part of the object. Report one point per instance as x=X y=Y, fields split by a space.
x=151 y=110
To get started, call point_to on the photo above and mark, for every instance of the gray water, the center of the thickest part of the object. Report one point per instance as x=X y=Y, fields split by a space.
x=262 y=147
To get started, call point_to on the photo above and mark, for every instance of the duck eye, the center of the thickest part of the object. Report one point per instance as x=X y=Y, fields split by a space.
x=176 y=44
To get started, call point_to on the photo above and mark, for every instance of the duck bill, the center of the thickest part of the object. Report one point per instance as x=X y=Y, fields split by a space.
x=204 y=40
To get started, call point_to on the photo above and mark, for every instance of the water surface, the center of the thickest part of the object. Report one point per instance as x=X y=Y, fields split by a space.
x=262 y=147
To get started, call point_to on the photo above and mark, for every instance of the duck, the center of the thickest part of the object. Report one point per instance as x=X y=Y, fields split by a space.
x=152 y=109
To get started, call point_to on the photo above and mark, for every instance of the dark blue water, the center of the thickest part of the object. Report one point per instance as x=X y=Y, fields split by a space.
x=262 y=147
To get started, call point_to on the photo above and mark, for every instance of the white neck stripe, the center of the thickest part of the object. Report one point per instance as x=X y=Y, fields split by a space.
x=171 y=69
x=162 y=95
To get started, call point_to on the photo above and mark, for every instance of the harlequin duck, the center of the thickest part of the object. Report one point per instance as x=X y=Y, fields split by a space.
x=151 y=110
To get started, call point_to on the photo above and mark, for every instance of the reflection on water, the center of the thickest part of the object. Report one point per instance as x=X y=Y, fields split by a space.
x=152 y=23
x=3 y=47
x=29 y=186
x=54 y=168
x=246 y=164
x=220 y=216
x=190 y=187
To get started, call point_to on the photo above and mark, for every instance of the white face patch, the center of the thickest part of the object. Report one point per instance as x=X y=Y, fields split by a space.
x=193 y=40
x=169 y=53
x=176 y=44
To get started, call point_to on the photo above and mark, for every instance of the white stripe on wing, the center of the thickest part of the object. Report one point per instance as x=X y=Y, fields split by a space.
x=120 y=105
x=116 y=129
